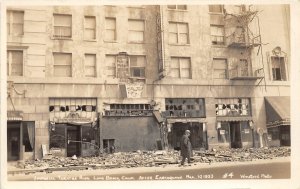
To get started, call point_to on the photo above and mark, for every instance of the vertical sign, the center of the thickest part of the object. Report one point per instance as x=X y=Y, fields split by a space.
x=159 y=34
x=122 y=66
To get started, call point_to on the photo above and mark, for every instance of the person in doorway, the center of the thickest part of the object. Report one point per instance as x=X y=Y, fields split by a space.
x=186 y=147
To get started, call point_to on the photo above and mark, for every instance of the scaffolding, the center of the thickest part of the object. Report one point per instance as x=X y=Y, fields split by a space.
x=239 y=34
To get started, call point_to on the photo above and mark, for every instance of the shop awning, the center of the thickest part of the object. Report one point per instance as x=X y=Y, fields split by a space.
x=234 y=118
x=158 y=116
x=277 y=110
x=14 y=115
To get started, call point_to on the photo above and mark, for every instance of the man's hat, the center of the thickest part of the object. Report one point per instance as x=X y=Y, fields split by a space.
x=187 y=131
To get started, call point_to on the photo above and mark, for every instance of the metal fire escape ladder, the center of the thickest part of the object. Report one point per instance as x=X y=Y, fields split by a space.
x=243 y=38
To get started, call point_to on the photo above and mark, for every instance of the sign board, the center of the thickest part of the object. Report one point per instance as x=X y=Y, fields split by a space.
x=122 y=65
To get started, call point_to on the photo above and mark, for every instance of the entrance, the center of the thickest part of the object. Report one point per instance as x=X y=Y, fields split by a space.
x=198 y=137
x=74 y=141
x=235 y=135
x=13 y=143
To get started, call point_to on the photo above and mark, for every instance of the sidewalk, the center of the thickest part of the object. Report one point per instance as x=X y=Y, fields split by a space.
x=165 y=167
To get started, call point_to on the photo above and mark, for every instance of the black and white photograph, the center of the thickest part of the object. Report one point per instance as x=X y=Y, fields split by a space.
x=121 y=94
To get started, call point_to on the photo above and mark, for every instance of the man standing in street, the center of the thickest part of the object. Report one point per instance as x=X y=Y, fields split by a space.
x=186 y=147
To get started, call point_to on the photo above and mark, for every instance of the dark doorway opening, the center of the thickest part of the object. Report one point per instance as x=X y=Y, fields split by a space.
x=235 y=135
x=74 y=141
x=13 y=143
x=109 y=145
x=198 y=137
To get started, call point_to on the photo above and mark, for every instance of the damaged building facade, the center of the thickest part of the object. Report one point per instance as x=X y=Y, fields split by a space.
x=90 y=79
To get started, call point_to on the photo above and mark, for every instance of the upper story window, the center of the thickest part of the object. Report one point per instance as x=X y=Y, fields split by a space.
x=90 y=65
x=62 y=26
x=177 y=7
x=62 y=64
x=110 y=64
x=110 y=29
x=15 y=23
x=137 y=66
x=180 y=67
x=216 y=9
x=278 y=68
x=90 y=27
x=217 y=34
x=233 y=107
x=178 y=33
x=15 y=62
x=219 y=68
x=136 y=30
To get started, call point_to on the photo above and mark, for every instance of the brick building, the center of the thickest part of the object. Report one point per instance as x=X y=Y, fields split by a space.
x=89 y=78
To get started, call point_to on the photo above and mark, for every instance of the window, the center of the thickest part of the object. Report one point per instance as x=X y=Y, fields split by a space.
x=278 y=68
x=15 y=23
x=219 y=68
x=90 y=65
x=110 y=29
x=185 y=107
x=129 y=110
x=216 y=9
x=110 y=62
x=178 y=33
x=217 y=34
x=136 y=30
x=223 y=132
x=90 y=27
x=62 y=26
x=62 y=64
x=233 y=107
x=137 y=66
x=180 y=67
x=177 y=7
x=15 y=63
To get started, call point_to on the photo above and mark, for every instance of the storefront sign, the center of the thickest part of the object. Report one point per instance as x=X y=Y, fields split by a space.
x=73 y=117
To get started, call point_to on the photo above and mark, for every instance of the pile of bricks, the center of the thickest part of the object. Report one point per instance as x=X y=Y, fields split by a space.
x=155 y=158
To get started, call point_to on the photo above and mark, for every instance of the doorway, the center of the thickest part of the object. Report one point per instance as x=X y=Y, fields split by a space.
x=235 y=135
x=13 y=143
x=74 y=141
x=198 y=137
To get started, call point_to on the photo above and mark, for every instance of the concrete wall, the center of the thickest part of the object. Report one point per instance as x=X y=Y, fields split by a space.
x=131 y=133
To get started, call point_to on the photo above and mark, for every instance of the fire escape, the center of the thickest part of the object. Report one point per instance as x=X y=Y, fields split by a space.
x=240 y=34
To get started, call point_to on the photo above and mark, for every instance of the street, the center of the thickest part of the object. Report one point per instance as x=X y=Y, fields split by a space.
x=245 y=170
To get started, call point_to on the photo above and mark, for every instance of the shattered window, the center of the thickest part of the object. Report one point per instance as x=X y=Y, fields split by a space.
x=233 y=107
x=185 y=107
x=129 y=110
x=58 y=136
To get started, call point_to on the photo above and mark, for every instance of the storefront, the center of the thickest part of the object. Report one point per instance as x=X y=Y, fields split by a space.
x=20 y=137
x=186 y=114
x=278 y=120
x=130 y=127
x=73 y=127
x=234 y=122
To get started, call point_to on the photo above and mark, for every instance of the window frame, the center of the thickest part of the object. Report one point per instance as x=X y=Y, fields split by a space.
x=179 y=58
x=226 y=70
x=176 y=8
x=137 y=67
x=214 y=42
x=61 y=65
x=115 y=29
x=134 y=30
x=178 y=33
x=95 y=65
x=71 y=27
x=9 y=63
x=85 y=28
x=9 y=25
x=283 y=69
x=115 y=66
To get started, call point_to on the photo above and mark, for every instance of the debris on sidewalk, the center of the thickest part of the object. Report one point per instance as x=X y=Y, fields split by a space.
x=153 y=158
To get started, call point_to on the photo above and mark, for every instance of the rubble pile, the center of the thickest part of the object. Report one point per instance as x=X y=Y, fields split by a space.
x=155 y=158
